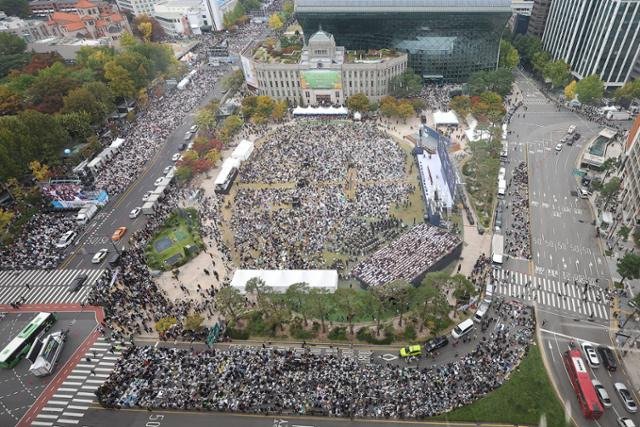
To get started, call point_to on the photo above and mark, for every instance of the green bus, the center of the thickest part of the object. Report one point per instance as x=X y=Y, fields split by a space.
x=20 y=345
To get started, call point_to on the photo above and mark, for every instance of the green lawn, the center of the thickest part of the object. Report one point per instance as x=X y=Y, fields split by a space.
x=522 y=400
x=182 y=231
x=481 y=178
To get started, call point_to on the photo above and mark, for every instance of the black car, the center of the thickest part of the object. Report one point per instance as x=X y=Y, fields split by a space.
x=576 y=136
x=435 y=343
x=182 y=147
x=77 y=282
x=114 y=259
x=608 y=358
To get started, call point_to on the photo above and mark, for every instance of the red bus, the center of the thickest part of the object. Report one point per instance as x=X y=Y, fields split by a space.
x=581 y=381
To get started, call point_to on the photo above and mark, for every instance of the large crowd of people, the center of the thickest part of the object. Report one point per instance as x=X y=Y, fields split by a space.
x=517 y=242
x=407 y=257
x=308 y=180
x=272 y=381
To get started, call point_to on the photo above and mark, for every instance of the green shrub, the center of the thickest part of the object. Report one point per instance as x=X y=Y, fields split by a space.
x=297 y=331
x=410 y=333
x=339 y=333
x=238 y=334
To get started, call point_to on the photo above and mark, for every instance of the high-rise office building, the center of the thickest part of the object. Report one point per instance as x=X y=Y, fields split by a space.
x=631 y=180
x=445 y=39
x=538 y=17
x=595 y=37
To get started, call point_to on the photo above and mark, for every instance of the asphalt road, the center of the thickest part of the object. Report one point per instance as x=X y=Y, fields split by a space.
x=99 y=417
x=18 y=387
x=563 y=239
x=116 y=213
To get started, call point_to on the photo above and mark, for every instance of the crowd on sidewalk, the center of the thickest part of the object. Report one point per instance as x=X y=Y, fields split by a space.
x=272 y=381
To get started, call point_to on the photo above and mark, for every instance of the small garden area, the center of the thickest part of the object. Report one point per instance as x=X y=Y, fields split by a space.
x=481 y=177
x=176 y=242
x=394 y=312
x=522 y=400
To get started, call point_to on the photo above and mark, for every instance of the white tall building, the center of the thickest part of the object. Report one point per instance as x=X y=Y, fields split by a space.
x=187 y=17
x=595 y=37
x=137 y=7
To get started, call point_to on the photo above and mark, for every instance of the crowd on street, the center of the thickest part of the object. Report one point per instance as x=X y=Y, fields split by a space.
x=517 y=242
x=412 y=254
x=274 y=381
x=307 y=180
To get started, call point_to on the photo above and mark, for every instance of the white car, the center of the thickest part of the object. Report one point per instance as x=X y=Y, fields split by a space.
x=66 y=239
x=176 y=157
x=158 y=181
x=627 y=399
x=99 y=256
x=603 y=396
x=167 y=170
x=190 y=145
x=590 y=353
x=571 y=129
x=625 y=422
x=558 y=147
x=135 y=212
x=193 y=129
x=146 y=196
x=187 y=136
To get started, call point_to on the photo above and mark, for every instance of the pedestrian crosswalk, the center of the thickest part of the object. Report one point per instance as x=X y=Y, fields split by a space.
x=68 y=404
x=562 y=295
x=45 y=286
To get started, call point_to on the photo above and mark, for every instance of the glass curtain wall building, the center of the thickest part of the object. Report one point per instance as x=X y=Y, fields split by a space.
x=446 y=40
x=595 y=37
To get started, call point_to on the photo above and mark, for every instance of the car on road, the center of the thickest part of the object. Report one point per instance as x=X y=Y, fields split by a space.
x=190 y=145
x=608 y=358
x=590 y=353
x=193 y=129
x=146 y=196
x=99 y=256
x=625 y=422
x=117 y=235
x=187 y=135
x=558 y=147
x=176 y=157
x=435 y=343
x=167 y=170
x=135 y=212
x=412 y=350
x=77 y=282
x=576 y=136
x=603 y=396
x=582 y=193
x=182 y=147
x=626 y=398
x=66 y=239
x=158 y=181
x=571 y=129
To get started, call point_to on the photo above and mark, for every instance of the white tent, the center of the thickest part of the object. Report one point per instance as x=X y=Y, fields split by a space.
x=442 y=118
x=243 y=150
x=320 y=111
x=117 y=143
x=280 y=280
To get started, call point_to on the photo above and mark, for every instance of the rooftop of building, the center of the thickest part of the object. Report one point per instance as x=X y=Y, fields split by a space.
x=455 y=6
x=290 y=50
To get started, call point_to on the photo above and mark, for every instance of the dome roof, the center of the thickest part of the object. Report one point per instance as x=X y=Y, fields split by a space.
x=321 y=36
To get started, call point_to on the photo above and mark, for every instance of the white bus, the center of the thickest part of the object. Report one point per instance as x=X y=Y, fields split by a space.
x=20 y=345
x=48 y=355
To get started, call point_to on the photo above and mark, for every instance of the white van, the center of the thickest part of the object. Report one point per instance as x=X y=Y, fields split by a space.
x=66 y=239
x=488 y=293
x=571 y=129
x=462 y=329
x=480 y=313
x=502 y=174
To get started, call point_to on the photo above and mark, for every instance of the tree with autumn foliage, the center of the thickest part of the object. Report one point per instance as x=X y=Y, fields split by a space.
x=147 y=28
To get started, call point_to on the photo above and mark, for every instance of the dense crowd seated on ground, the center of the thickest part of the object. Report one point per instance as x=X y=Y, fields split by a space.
x=324 y=176
x=407 y=257
x=268 y=381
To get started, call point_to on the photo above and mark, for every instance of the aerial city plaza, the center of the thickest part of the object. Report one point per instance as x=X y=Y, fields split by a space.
x=319 y=213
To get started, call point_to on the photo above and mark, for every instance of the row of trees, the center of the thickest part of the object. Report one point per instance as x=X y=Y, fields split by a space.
x=48 y=106
x=486 y=107
x=238 y=15
x=261 y=109
x=427 y=303
x=278 y=19
x=589 y=90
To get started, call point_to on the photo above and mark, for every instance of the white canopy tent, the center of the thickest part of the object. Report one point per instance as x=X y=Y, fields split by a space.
x=320 y=111
x=280 y=280
x=243 y=150
x=117 y=143
x=441 y=118
x=225 y=170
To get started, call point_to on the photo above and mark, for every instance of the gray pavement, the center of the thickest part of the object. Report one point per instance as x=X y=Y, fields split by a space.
x=565 y=251
x=99 y=417
x=18 y=387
